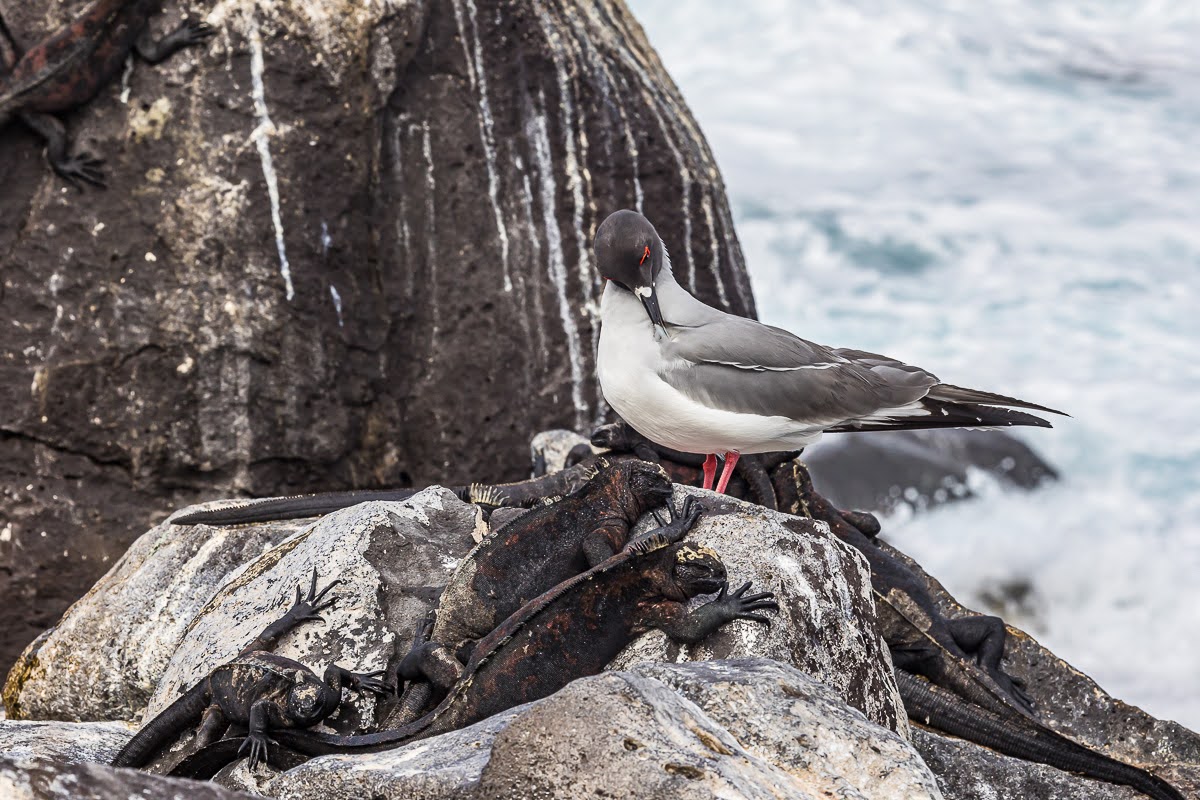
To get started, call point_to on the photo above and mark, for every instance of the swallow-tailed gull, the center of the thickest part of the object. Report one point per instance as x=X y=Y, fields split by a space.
x=693 y=378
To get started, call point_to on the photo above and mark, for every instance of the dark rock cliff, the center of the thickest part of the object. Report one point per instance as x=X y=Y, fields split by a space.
x=343 y=245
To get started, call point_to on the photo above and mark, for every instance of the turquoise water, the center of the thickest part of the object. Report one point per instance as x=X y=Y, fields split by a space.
x=1007 y=194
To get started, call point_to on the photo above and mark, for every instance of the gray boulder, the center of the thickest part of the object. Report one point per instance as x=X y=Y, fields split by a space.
x=323 y=231
x=187 y=598
x=22 y=779
x=826 y=623
x=392 y=560
x=751 y=729
x=104 y=658
x=63 y=742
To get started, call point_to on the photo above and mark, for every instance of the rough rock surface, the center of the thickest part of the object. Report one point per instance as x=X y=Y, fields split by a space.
x=269 y=297
x=800 y=725
x=63 y=742
x=392 y=560
x=21 y=779
x=1073 y=704
x=966 y=771
x=106 y=655
x=750 y=729
x=882 y=471
x=134 y=638
x=826 y=623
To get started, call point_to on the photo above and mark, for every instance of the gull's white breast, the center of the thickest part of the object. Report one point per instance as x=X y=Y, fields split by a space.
x=629 y=362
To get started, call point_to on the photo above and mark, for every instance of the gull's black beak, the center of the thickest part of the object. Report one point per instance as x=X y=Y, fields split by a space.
x=650 y=303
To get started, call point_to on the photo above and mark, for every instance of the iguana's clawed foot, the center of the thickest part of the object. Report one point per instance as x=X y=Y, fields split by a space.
x=1015 y=688
x=257 y=744
x=370 y=682
x=680 y=523
x=669 y=532
x=194 y=31
x=740 y=605
x=81 y=167
x=310 y=606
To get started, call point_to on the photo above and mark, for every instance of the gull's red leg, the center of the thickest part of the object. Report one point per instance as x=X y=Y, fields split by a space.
x=710 y=470
x=731 y=459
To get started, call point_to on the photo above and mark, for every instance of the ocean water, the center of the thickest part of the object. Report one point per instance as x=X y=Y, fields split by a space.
x=1007 y=194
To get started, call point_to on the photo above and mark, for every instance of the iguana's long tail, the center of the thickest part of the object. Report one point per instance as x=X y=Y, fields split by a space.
x=1021 y=738
x=184 y=713
x=522 y=494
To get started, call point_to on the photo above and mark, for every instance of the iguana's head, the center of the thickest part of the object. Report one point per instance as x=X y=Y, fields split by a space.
x=647 y=483
x=697 y=570
x=306 y=699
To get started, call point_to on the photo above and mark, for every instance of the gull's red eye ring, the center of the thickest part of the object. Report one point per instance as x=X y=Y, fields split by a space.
x=645 y=255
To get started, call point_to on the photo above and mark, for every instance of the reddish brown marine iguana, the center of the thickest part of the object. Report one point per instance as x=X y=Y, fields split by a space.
x=530 y=555
x=257 y=690
x=572 y=631
x=67 y=69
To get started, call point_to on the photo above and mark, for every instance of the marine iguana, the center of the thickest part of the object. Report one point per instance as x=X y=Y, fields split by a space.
x=68 y=68
x=1014 y=735
x=571 y=631
x=962 y=655
x=942 y=662
x=534 y=553
x=619 y=437
x=520 y=494
x=258 y=689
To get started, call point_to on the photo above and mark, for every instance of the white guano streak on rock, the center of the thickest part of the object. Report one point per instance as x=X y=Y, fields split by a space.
x=626 y=134
x=477 y=74
x=337 y=304
x=402 y=216
x=598 y=31
x=555 y=260
x=740 y=277
x=714 y=263
x=261 y=136
x=430 y=185
x=575 y=164
x=651 y=98
x=536 y=242
x=571 y=162
x=655 y=94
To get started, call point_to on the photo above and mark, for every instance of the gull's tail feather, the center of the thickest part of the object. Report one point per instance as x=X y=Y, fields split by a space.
x=941 y=414
x=957 y=394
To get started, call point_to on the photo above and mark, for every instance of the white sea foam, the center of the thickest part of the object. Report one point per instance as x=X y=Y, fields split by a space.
x=1006 y=195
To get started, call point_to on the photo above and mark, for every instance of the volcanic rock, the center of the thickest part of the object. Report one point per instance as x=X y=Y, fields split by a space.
x=323 y=233
x=392 y=560
x=746 y=728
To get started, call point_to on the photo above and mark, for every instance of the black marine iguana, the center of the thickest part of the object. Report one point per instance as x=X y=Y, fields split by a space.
x=520 y=494
x=67 y=69
x=619 y=437
x=942 y=662
x=534 y=553
x=258 y=689
x=571 y=631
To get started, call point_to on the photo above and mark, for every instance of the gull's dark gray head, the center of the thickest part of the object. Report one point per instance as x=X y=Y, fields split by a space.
x=630 y=253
